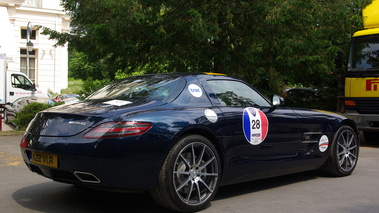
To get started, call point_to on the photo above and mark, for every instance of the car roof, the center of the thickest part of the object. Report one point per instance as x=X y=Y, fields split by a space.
x=199 y=75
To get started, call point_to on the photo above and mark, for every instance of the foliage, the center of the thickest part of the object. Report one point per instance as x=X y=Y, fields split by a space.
x=266 y=42
x=74 y=86
x=53 y=94
x=91 y=86
x=27 y=113
x=80 y=67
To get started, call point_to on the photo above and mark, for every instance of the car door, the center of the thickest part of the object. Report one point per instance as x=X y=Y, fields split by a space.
x=262 y=133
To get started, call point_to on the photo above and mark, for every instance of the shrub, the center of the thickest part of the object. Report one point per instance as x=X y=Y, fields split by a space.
x=27 y=113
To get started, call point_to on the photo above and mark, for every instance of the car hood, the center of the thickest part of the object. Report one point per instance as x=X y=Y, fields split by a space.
x=72 y=119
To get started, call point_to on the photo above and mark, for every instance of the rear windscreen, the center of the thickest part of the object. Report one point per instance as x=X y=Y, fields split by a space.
x=153 y=88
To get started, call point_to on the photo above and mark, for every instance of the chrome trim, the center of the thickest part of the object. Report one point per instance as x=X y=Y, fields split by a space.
x=83 y=179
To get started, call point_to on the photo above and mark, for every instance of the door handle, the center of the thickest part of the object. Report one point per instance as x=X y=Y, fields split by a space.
x=11 y=93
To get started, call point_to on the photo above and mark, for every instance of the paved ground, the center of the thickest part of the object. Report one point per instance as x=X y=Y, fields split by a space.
x=24 y=191
x=6 y=127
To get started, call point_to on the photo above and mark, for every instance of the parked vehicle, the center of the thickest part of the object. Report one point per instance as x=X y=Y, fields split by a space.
x=362 y=76
x=63 y=97
x=11 y=110
x=302 y=97
x=67 y=98
x=181 y=136
x=14 y=85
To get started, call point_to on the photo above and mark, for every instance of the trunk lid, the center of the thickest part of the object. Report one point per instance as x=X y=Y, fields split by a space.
x=69 y=120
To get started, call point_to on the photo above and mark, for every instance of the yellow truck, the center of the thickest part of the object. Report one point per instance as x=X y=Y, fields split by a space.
x=362 y=76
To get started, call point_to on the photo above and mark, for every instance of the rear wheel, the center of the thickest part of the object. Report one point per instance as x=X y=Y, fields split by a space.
x=189 y=176
x=344 y=152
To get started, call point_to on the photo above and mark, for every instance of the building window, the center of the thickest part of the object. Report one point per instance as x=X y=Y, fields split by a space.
x=32 y=36
x=32 y=63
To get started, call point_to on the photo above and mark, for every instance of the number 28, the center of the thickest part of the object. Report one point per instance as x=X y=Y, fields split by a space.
x=256 y=124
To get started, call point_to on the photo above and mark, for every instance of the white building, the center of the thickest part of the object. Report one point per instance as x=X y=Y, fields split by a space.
x=48 y=65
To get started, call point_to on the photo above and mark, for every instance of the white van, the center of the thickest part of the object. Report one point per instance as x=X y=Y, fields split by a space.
x=14 y=85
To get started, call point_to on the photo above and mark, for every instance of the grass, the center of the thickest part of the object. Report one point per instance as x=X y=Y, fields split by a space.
x=74 y=87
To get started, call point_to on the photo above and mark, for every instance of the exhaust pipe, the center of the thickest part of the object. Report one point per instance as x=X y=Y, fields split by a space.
x=86 y=177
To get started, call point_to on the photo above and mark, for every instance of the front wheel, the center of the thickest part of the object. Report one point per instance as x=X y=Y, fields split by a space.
x=344 y=152
x=189 y=176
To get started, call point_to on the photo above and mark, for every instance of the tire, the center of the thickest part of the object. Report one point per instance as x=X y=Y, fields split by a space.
x=5 y=116
x=189 y=176
x=343 y=156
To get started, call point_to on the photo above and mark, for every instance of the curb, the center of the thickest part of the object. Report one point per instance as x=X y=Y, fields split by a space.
x=11 y=134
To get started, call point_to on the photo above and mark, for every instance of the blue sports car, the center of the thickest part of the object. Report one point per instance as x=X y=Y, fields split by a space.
x=181 y=136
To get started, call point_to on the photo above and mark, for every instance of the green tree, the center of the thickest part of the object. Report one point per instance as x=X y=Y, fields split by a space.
x=266 y=42
x=80 y=67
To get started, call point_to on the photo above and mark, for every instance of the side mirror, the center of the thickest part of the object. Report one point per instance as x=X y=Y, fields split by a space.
x=277 y=100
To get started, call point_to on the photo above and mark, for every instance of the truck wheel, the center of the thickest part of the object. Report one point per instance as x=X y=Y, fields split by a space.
x=343 y=156
x=189 y=176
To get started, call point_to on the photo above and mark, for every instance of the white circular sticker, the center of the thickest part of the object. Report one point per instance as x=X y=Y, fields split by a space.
x=195 y=90
x=323 y=143
x=255 y=125
x=211 y=115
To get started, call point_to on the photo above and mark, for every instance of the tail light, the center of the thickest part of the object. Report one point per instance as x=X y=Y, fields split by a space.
x=23 y=143
x=118 y=129
x=350 y=103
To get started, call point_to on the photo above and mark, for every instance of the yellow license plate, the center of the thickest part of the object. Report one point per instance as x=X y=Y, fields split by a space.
x=45 y=159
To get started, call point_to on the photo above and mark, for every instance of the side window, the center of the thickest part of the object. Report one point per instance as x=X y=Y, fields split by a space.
x=19 y=81
x=235 y=93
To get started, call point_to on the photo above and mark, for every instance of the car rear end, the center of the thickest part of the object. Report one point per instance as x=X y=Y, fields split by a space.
x=92 y=151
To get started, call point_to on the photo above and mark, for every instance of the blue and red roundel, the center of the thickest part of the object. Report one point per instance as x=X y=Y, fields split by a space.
x=255 y=125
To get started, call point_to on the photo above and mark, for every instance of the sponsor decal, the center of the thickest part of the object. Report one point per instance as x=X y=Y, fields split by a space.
x=195 y=90
x=255 y=125
x=211 y=115
x=323 y=144
x=372 y=84
x=117 y=102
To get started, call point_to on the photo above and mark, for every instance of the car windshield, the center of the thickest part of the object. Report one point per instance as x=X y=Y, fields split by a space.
x=364 y=54
x=153 y=88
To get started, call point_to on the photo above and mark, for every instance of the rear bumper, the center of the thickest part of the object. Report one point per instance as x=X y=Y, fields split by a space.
x=131 y=165
x=366 y=122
